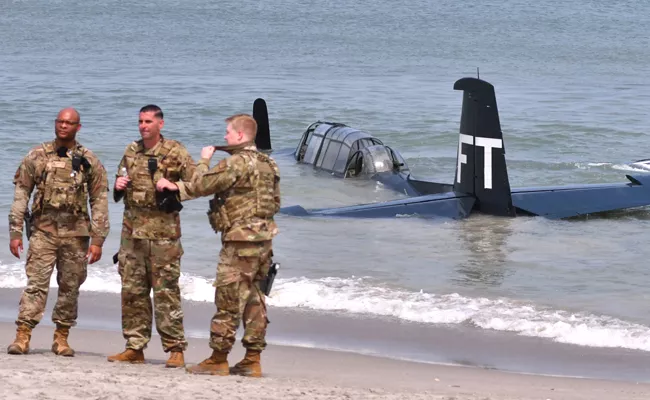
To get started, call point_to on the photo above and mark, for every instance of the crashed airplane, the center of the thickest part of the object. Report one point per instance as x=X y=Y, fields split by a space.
x=481 y=183
x=346 y=152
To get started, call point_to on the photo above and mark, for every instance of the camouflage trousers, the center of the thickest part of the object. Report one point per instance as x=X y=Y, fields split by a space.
x=69 y=256
x=238 y=297
x=144 y=265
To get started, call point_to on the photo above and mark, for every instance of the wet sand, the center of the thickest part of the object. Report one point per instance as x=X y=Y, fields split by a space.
x=290 y=372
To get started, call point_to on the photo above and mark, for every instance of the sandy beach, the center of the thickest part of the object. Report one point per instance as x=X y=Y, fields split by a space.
x=290 y=372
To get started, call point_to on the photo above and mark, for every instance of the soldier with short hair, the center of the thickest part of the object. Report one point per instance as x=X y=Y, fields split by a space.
x=151 y=179
x=246 y=189
x=67 y=177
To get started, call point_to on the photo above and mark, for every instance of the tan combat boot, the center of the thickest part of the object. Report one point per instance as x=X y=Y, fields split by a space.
x=217 y=364
x=60 y=345
x=21 y=343
x=128 y=355
x=249 y=366
x=176 y=360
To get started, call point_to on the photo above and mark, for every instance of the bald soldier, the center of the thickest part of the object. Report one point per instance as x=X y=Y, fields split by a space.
x=68 y=179
x=246 y=190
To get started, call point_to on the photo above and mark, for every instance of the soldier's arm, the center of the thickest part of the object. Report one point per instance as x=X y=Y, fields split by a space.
x=221 y=177
x=276 y=193
x=188 y=168
x=98 y=196
x=276 y=188
x=24 y=181
x=119 y=194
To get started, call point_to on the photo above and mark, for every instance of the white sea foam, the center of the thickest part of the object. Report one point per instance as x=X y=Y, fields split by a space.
x=620 y=167
x=588 y=165
x=357 y=296
x=629 y=167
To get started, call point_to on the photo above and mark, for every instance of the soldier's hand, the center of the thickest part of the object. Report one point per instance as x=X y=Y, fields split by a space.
x=207 y=152
x=16 y=247
x=94 y=254
x=122 y=182
x=163 y=184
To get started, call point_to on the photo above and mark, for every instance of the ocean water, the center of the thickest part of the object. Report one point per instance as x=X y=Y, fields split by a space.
x=572 y=90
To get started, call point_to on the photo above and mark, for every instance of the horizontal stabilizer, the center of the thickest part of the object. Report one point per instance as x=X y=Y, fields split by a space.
x=571 y=201
x=445 y=205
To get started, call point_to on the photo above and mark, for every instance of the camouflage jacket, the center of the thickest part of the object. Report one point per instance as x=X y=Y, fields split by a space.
x=142 y=219
x=230 y=179
x=60 y=205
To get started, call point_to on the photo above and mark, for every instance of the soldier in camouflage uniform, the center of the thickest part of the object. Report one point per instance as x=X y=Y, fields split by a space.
x=246 y=189
x=67 y=177
x=150 y=248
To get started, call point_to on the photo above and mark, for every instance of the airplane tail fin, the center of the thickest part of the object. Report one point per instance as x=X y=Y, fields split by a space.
x=261 y=115
x=481 y=168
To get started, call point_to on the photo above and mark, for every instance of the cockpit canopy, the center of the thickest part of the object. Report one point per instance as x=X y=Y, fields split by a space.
x=375 y=159
x=346 y=151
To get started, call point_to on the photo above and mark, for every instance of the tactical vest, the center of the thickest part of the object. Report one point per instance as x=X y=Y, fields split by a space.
x=141 y=192
x=60 y=187
x=250 y=197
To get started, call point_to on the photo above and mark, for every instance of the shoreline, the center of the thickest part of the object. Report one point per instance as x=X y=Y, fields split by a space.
x=383 y=338
x=289 y=372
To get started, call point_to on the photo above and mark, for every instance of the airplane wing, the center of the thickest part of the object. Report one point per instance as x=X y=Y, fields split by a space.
x=445 y=205
x=570 y=201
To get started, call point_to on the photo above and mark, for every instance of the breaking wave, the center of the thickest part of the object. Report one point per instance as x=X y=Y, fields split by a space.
x=358 y=296
x=618 y=167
